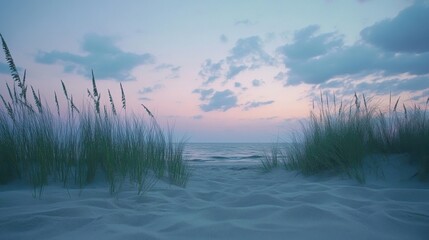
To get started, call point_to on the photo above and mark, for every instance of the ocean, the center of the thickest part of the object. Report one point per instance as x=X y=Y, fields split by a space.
x=226 y=153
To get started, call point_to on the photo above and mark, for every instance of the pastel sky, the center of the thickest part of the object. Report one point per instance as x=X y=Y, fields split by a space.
x=221 y=71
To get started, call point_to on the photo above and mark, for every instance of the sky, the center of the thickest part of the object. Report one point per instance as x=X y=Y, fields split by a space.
x=221 y=71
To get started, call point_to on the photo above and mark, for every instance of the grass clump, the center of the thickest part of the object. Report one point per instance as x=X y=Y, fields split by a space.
x=39 y=146
x=407 y=132
x=338 y=137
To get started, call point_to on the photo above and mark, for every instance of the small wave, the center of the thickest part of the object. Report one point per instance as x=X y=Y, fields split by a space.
x=252 y=157
x=220 y=157
x=196 y=160
x=200 y=160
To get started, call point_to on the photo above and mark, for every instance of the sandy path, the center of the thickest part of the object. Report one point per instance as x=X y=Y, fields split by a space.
x=223 y=202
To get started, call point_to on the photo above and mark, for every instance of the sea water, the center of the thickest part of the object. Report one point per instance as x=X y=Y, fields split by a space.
x=226 y=153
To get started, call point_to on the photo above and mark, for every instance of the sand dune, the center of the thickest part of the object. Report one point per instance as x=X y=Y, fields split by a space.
x=225 y=202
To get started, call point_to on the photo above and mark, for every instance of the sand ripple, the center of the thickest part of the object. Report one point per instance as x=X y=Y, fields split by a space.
x=223 y=202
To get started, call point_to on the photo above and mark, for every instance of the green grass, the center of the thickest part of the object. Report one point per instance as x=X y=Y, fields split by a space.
x=338 y=137
x=40 y=146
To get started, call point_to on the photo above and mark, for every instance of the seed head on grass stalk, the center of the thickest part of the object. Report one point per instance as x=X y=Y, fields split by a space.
x=73 y=107
x=124 y=105
x=112 y=103
x=37 y=100
x=24 y=87
x=95 y=95
x=12 y=66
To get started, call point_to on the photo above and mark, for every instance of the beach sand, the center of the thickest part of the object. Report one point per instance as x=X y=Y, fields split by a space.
x=226 y=202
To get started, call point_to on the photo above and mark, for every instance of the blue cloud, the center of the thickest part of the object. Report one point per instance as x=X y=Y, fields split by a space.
x=151 y=89
x=257 y=82
x=172 y=69
x=408 y=32
x=251 y=105
x=106 y=59
x=395 y=85
x=247 y=53
x=281 y=76
x=308 y=45
x=220 y=101
x=211 y=71
x=234 y=70
x=204 y=93
x=163 y=66
x=145 y=99
x=334 y=59
x=237 y=84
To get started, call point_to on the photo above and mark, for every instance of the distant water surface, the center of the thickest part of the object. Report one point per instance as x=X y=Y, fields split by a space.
x=224 y=153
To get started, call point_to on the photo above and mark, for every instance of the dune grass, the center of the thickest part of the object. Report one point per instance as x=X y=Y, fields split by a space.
x=76 y=146
x=338 y=137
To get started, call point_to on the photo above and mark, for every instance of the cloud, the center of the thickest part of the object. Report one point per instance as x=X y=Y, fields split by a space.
x=237 y=84
x=281 y=76
x=163 y=66
x=408 y=32
x=204 y=93
x=247 y=53
x=220 y=101
x=327 y=57
x=197 y=117
x=250 y=105
x=223 y=38
x=395 y=85
x=257 y=82
x=145 y=99
x=151 y=89
x=347 y=61
x=210 y=71
x=308 y=45
x=234 y=70
x=173 y=70
x=102 y=55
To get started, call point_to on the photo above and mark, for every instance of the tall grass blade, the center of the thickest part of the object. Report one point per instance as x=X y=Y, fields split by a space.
x=10 y=93
x=396 y=104
x=148 y=111
x=95 y=95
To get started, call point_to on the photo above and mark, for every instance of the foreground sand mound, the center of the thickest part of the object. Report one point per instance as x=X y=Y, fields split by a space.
x=224 y=202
